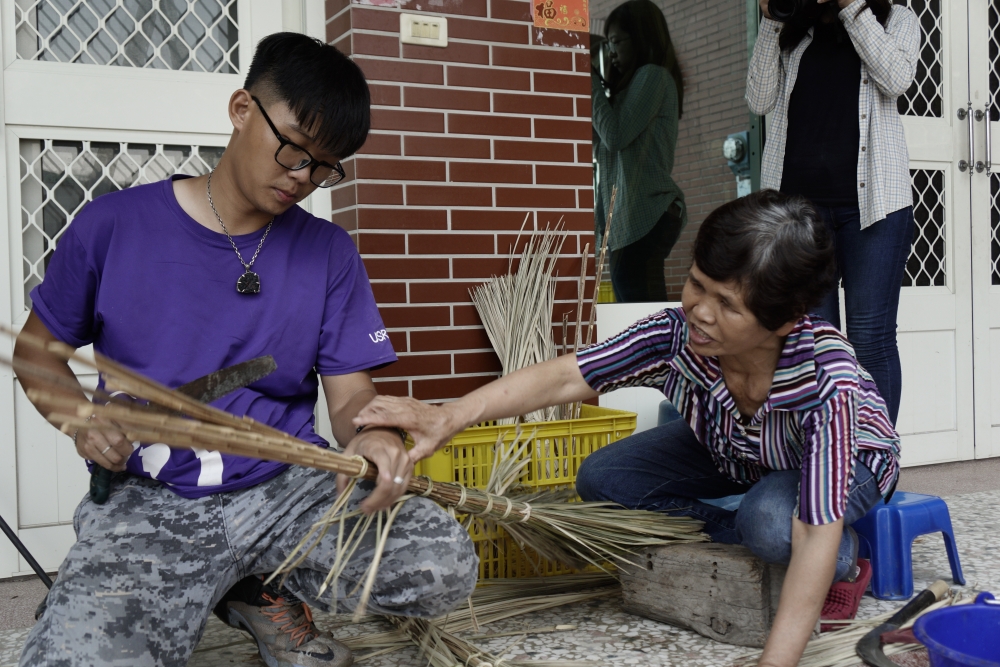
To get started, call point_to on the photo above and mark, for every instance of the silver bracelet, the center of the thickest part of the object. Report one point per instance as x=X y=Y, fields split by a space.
x=77 y=431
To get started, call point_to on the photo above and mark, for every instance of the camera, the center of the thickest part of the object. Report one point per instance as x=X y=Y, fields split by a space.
x=786 y=10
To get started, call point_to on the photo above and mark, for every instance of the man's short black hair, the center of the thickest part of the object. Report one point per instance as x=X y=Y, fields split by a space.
x=325 y=90
x=776 y=247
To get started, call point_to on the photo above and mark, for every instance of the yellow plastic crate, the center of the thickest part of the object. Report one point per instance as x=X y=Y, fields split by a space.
x=606 y=294
x=559 y=449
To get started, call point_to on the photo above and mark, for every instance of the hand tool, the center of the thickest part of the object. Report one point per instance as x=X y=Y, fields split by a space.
x=869 y=648
x=206 y=389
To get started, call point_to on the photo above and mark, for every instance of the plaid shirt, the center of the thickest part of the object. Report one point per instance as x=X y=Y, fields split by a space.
x=888 y=64
x=634 y=139
x=823 y=413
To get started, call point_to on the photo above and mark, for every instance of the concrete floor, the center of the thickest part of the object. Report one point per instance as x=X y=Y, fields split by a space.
x=952 y=479
x=19 y=598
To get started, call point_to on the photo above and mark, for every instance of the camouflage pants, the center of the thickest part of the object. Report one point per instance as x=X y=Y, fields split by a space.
x=139 y=584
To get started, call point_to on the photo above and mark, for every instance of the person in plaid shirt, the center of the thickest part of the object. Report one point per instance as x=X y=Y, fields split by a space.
x=830 y=79
x=775 y=407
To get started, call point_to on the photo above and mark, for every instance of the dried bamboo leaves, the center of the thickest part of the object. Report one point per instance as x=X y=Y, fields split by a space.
x=516 y=309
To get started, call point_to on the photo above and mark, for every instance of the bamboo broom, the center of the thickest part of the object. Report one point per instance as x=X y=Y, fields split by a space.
x=575 y=534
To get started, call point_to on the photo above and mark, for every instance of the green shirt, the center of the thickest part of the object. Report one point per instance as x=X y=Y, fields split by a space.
x=634 y=140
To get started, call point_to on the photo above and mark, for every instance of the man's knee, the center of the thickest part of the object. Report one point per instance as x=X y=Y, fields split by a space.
x=434 y=575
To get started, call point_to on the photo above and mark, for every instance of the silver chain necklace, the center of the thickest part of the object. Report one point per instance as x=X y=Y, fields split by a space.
x=249 y=282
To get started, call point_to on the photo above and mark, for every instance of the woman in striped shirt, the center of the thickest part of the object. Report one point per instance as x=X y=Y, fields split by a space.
x=775 y=407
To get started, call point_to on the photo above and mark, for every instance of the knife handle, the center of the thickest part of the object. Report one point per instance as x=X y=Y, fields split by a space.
x=935 y=592
x=100 y=484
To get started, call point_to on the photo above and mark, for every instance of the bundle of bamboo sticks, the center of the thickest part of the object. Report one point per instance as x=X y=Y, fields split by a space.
x=516 y=309
x=441 y=640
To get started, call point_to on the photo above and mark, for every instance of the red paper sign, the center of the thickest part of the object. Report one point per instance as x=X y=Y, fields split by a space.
x=563 y=14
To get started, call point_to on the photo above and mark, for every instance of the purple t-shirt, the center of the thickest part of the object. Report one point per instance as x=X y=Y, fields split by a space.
x=151 y=288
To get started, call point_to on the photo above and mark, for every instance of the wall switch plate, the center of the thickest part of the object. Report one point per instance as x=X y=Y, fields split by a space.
x=423 y=29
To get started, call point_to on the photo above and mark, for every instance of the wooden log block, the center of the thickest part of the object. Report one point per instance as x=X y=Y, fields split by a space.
x=720 y=591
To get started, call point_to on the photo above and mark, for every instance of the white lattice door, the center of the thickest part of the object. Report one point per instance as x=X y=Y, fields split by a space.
x=984 y=77
x=100 y=95
x=935 y=311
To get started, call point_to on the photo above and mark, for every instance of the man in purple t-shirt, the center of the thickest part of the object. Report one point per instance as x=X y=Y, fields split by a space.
x=183 y=277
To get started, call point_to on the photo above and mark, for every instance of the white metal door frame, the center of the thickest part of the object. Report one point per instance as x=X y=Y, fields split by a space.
x=935 y=311
x=984 y=77
x=78 y=102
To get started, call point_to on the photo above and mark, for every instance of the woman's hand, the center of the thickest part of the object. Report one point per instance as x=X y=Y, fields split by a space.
x=843 y=4
x=763 y=8
x=596 y=46
x=103 y=443
x=430 y=426
x=807 y=581
x=385 y=449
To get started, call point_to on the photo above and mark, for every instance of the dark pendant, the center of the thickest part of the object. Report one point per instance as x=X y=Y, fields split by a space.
x=249 y=283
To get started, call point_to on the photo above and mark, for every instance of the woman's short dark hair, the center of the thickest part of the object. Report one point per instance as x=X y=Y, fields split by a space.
x=776 y=247
x=323 y=87
x=646 y=26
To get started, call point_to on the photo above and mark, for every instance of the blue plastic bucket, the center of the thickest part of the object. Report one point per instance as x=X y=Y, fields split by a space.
x=964 y=635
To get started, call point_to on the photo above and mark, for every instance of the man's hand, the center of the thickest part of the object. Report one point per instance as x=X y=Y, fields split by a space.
x=104 y=444
x=385 y=449
x=430 y=426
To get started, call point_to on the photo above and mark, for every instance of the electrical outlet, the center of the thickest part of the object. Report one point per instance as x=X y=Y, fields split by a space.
x=423 y=29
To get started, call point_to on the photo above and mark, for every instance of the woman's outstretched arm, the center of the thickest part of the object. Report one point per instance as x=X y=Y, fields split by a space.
x=554 y=382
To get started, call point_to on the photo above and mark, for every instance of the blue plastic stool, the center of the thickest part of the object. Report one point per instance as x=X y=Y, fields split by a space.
x=887 y=532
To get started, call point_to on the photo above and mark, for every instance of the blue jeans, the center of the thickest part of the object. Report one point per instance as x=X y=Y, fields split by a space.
x=871 y=263
x=666 y=469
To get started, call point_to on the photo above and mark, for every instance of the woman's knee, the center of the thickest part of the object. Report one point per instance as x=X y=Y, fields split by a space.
x=764 y=519
x=592 y=475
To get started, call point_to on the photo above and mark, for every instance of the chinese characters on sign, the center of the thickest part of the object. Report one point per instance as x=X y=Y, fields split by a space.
x=563 y=14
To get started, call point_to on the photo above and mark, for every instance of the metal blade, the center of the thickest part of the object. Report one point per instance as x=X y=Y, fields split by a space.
x=215 y=385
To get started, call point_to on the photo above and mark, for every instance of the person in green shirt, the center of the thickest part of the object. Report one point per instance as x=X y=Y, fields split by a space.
x=635 y=115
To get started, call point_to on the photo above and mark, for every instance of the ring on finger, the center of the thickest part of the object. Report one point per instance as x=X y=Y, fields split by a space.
x=397 y=480
x=105 y=450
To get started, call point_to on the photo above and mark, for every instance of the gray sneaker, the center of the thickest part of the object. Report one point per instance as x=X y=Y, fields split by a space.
x=286 y=635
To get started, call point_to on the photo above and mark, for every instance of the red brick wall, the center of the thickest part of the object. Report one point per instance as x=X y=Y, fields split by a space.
x=466 y=141
x=711 y=43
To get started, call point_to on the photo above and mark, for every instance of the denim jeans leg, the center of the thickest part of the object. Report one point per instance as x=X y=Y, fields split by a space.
x=664 y=469
x=637 y=269
x=764 y=519
x=874 y=261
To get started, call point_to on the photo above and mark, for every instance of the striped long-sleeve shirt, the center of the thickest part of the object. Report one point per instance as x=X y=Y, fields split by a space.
x=822 y=415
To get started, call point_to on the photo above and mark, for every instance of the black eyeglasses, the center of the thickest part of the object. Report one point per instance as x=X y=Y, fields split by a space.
x=292 y=156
